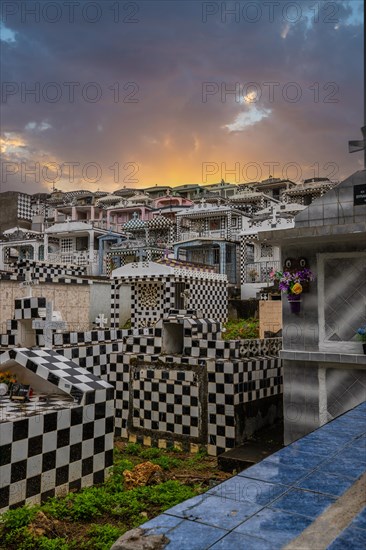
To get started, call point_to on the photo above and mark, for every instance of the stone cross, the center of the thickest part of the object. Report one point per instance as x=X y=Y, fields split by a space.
x=101 y=321
x=28 y=283
x=48 y=325
x=186 y=295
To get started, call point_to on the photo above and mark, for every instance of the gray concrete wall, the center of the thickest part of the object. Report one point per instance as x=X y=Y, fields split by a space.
x=100 y=300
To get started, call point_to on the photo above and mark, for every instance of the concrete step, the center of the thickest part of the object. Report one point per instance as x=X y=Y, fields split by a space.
x=265 y=442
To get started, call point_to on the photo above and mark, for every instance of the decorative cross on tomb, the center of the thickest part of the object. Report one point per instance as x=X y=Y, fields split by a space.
x=358 y=145
x=101 y=321
x=48 y=325
x=28 y=283
x=186 y=295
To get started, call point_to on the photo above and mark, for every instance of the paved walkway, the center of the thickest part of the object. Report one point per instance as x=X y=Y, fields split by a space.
x=311 y=494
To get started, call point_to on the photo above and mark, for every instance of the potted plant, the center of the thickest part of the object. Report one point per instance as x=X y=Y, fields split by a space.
x=361 y=332
x=292 y=283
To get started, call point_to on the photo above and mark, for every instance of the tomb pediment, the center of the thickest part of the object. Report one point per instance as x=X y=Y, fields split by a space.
x=48 y=371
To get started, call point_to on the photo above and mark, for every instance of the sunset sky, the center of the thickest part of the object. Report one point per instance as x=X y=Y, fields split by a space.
x=138 y=93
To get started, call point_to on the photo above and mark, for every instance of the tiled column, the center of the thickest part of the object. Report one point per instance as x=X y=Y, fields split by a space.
x=45 y=243
x=222 y=258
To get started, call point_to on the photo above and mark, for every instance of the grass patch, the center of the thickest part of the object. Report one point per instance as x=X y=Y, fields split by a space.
x=241 y=329
x=94 y=518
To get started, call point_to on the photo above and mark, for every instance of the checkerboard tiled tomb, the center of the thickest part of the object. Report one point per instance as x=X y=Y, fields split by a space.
x=176 y=383
x=158 y=288
x=49 y=447
x=183 y=385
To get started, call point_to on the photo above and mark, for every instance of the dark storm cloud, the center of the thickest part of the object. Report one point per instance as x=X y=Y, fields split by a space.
x=160 y=121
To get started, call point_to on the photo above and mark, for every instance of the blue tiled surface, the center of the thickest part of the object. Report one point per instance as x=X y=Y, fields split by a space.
x=215 y=511
x=344 y=467
x=274 y=526
x=350 y=539
x=306 y=503
x=271 y=503
x=162 y=523
x=360 y=520
x=237 y=541
x=246 y=489
x=276 y=473
x=193 y=536
x=326 y=483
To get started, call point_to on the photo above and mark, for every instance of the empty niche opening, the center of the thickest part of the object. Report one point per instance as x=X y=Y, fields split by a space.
x=26 y=335
x=172 y=338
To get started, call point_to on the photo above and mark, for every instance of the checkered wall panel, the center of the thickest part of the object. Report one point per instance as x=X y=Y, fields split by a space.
x=67 y=339
x=155 y=400
x=48 y=271
x=94 y=358
x=8 y=339
x=120 y=378
x=28 y=308
x=115 y=316
x=54 y=453
x=208 y=296
x=230 y=384
x=24 y=207
x=165 y=400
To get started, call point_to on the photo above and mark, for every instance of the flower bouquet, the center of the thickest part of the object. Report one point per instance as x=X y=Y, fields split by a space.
x=293 y=283
x=7 y=379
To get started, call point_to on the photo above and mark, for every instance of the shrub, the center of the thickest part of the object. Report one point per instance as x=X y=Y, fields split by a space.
x=241 y=329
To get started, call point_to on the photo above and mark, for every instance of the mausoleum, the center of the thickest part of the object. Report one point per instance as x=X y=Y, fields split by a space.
x=324 y=363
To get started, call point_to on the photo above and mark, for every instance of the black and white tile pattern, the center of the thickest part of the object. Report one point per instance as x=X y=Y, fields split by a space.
x=24 y=207
x=48 y=271
x=30 y=308
x=166 y=401
x=208 y=293
x=58 y=370
x=52 y=448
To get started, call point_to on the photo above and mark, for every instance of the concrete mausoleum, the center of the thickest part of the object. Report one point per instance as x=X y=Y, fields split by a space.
x=324 y=364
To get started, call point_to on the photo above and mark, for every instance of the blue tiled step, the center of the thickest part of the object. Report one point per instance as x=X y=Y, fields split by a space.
x=271 y=503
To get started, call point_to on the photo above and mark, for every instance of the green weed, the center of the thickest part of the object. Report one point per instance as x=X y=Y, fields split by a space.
x=241 y=329
x=102 y=537
x=151 y=452
x=19 y=517
x=133 y=449
x=167 y=462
